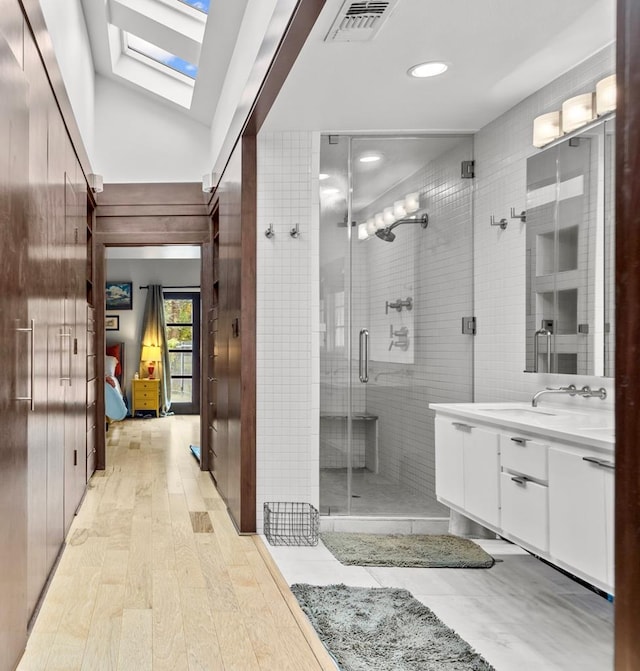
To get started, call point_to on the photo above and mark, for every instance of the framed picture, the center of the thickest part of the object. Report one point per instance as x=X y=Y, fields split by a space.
x=119 y=296
x=112 y=323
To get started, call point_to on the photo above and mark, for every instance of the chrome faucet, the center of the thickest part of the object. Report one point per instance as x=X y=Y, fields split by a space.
x=585 y=392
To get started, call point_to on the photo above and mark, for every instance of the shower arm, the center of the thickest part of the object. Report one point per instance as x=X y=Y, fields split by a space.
x=423 y=220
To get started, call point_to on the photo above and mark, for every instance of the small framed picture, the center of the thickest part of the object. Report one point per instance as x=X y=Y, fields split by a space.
x=112 y=323
x=119 y=296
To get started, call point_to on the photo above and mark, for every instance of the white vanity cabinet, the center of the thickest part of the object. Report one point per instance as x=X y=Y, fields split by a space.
x=524 y=490
x=546 y=487
x=581 y=513
x=467 y=468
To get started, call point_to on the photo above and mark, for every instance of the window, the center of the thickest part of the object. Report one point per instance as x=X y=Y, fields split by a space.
x=158 y=55
x=200 y=5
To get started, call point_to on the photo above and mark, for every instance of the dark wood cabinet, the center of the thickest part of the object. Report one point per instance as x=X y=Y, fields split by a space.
x=43 y=330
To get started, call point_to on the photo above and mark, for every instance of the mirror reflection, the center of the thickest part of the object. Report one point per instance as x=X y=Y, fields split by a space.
x=570 y=218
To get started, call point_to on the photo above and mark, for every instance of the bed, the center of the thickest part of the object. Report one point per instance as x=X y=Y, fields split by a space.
x=115 y=401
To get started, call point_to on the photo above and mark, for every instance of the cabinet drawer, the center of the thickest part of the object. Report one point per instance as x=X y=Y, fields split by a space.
x=523 y=455
x=525 y=510
x=142 y=385
x=140 y=396
x=148 y=404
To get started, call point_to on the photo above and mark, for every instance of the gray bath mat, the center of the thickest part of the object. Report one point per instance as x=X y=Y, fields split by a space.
x=414 y=551
x=384 y=629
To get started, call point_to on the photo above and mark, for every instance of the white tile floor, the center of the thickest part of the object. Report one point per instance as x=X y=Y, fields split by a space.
x=521 y=615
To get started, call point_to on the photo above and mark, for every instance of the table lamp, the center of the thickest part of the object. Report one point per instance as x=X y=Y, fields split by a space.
x=150 y=354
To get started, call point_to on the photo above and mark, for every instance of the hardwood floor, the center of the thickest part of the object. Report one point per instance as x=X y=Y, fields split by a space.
x=154 y=575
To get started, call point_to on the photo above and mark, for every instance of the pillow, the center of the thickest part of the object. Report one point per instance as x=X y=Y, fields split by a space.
x=114 y=351
x=110 y=365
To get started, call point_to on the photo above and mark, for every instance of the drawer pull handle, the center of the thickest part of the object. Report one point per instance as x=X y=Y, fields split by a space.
x=520 y=480
x=600 y=462
x=520 y=441
x=462 y=426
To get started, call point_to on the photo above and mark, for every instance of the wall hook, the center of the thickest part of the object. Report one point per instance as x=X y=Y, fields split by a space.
x=295 y=231
x=270 y=232
x=502 y=223
x=522 y=216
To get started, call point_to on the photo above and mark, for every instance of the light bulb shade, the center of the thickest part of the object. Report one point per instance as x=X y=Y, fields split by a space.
x=412 y=202
x=150 y=353
x=388 y=216
x=577 y=111
x=379 y=221
x=606 y=95
x=546 y=128
x=363 y=232
x=399 y=210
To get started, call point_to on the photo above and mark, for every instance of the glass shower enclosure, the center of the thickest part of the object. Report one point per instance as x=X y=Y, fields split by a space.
x=396 y=276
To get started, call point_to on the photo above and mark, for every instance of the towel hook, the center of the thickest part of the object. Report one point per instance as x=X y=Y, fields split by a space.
x=522 y=216
x=295 y=231
x=502 y=223
x=270 y=232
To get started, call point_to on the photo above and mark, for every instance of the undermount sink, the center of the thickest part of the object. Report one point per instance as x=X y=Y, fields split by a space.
x=517 y=412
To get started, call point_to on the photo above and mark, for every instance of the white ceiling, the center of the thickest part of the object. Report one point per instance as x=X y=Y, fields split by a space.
x=499 y=51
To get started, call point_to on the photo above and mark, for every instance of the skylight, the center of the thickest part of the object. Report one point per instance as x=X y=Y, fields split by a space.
x=161 y=56
x=200 y=5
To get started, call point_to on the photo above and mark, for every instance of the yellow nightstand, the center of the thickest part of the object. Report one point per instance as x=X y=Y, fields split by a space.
x=146 y=396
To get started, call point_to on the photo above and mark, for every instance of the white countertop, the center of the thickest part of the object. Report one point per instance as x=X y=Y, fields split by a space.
x=586 y=427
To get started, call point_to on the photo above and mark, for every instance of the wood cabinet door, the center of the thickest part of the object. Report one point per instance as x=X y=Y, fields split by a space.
x=16 y=384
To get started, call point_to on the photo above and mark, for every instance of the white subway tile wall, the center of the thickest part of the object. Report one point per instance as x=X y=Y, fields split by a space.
x=501 y=150
x=287 y=320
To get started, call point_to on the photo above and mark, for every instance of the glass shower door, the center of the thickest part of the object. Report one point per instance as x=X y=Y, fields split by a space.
x=398 y=281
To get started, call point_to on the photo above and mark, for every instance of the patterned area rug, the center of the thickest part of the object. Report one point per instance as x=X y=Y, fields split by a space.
x=384 y=629
x=415 y=551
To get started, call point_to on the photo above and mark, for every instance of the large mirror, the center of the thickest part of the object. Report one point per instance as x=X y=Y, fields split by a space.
x=570 y=224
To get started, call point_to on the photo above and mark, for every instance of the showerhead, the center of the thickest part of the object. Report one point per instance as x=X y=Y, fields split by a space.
x=386 y=234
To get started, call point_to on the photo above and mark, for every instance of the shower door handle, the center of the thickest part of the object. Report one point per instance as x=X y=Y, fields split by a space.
x=364 y=355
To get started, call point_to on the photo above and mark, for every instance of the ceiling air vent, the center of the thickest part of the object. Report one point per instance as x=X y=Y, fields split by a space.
x=359 y=21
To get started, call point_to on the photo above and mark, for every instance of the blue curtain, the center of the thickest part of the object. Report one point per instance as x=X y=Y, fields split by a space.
x=154 y=333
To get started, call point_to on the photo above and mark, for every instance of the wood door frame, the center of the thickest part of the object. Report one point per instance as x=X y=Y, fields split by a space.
x=627 y=371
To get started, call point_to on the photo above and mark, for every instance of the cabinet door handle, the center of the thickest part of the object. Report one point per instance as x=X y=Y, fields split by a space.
x=32 y=332
x=64 y=378
x=520 y=480
x=600 y=462
x=520 y=441
x=462 y=426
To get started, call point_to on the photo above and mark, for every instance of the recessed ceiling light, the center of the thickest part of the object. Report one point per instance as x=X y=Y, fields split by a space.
x=430 y=69
x=322 y=176
x=370 y=158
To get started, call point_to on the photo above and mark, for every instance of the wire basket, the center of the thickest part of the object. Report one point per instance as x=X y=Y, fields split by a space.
x=287 y=523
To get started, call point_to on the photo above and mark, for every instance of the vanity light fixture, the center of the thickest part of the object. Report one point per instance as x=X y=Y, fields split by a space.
x=429 y=69
x=371 y=226
x=370 y=158
x=577 y=111
x=362 y=232
x=606 y=94
x=546 y=128
x=379 y=221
